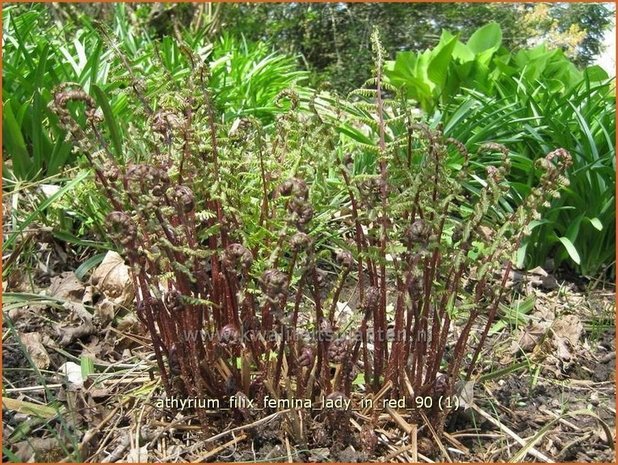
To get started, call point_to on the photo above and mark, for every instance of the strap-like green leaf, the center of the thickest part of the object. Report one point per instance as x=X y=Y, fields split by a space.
x=112 y=124
x=14 y=142
x=571 y=250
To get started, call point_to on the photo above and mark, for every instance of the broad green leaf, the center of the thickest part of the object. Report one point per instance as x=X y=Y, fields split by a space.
x=462 y=52
x=438 y=65
x=595 y=73
x=87 y=366
x=488 y=37
x=484 y=58
x=520 y=256
x=479 y=75
x=422 y=64
x=10 y=455
x=354 y=134
x=462 y=70
x=403 y=67
x=592 y=148
x=60 y=154
x=30 y=408
x=536 y=223
x=90 y=72
x=461 y=113
x=450 y=306
x=38 y=109
x=573 y=230
x=526 y=55
x=409 y=72
x=71 y=239
x=535 y=68
x=514 y=314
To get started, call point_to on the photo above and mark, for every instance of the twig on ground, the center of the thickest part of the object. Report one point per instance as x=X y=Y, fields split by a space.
x=436 y=437
x=220 y=448
x=407 y=428
x=577 y=440
x=532 y=451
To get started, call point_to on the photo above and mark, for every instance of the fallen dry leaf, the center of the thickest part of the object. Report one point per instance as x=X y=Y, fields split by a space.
x=113 y=279
x=568 y=327
x=567 y=331
x=79 y=313
x=465 y=393
x=550 y=283
x=37 y=449
x=72 y=334
x=536 y=277
x=528 y=337
x=538 y=271
x=128 y=323
x=88 y=298
x=104 y=312
x=66 y=286
x=82 y=404
x=319 y=455
x=18 y=313
x=542 y=351
x=562 y=349
x=36 y=350
x=137 y=455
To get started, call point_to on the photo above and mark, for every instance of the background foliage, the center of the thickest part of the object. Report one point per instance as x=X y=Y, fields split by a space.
x=532 y=100
x=334 y=37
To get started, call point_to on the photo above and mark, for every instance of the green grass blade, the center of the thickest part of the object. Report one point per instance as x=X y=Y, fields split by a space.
x=38 y=110
x=59 y=155
x=85 y=267
x=10 y=455
x=46 y=203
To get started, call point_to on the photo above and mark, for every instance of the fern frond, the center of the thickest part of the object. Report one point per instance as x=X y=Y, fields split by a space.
x=367 y=93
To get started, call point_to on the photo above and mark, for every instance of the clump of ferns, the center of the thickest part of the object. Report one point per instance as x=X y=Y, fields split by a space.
x=225 y=310
x=222 y=314
x=419 y=248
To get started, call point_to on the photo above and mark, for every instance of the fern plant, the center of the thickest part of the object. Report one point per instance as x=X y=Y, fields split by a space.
x=240 y=256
